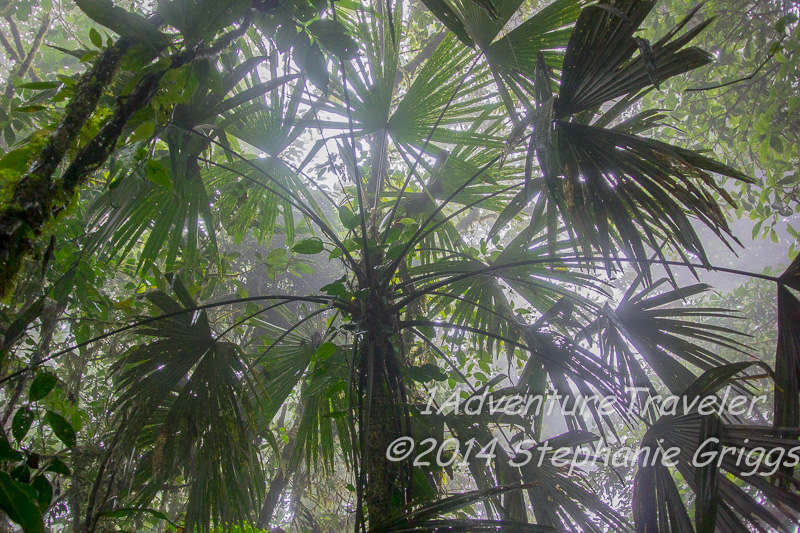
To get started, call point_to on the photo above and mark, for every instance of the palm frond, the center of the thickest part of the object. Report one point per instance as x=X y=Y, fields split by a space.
x=184 y=399
x=663 y=336
x=431 y=91
x=169 y=217
x=691 y=432
x=787 y=358
x=515 y=55
x=616 y=190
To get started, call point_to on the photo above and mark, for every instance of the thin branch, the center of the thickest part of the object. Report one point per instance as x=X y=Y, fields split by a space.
x=423 y=55
x=36 y=199
x=393 y=266
x=15 y=33
x=9 y=49
x=96 y=151
x=726 y=84
x=577 y=260
x=23 y=67
x=35 y=196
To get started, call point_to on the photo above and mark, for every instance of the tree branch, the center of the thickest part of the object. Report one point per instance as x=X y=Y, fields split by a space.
x=37 y=199
x=23 y=67
x=9 y=49
x=422 y=56
x=17 y=39
x=726 y=84
x=35 y=194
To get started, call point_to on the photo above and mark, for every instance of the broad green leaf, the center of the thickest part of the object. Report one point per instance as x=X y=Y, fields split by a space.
x=340 y=45
x=349 y=220
x=425 y=373
x=57 y=466
x=199 y=19
x=39 y=85
x=143 y=132
x=44 y=492
x=308 y=246
x=41 y=386
x=333 y=36
x=285 y=37
x=157 y=173
x=96 y=38
x=7 y=453
x=18 y=505
x=61 y=428
x=337 y=288
x=16 y=160
x=325 y=351
x=124 y=22
x=314 y=66
x=63 y=287
x=21 y=422
x=326 y=26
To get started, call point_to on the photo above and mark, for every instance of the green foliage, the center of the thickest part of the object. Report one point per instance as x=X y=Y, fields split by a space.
x=26 y=493
x=41 y=386
x=494 y=207
x=19 y=505
x=743 y=105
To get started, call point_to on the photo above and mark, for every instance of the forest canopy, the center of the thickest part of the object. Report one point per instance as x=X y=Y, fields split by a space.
x=425 y=265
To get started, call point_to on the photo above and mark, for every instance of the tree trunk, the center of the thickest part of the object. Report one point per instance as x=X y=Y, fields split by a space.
x=277 y=485
x=378 y=430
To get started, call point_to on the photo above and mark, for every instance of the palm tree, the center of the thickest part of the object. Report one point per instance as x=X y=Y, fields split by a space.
x=535 y=125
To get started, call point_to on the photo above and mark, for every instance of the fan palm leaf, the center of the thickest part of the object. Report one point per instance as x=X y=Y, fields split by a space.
x=186 y=407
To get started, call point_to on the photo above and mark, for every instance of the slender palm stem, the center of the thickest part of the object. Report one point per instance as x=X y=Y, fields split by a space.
x=356 y=174
x=468 y=206
x=414 y=238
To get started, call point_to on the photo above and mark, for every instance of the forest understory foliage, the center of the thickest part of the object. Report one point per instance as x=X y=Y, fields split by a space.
x=306 y=265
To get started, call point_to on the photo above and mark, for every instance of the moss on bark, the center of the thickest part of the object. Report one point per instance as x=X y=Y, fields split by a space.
x=36 y=198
